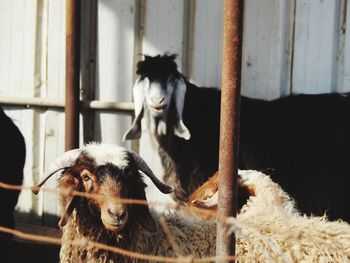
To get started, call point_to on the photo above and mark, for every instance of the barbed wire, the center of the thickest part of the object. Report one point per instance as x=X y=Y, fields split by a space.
x=123 y=252
x=71 y=192
x=120 y=251
x=245 y=230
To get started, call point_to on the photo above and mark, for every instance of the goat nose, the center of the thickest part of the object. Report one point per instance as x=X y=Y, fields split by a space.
x=116 y=213
x=158 y=100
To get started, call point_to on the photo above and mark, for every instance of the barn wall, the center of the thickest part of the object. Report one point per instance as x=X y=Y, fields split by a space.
x=289 y=47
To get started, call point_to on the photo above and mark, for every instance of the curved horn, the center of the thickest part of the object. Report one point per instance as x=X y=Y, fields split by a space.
x=62 y=162
x=134 y=132
x=143 y=167
x=208 y=203
x=180 y=89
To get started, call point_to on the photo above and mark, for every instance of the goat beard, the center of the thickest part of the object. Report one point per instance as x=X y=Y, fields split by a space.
x=158 y=126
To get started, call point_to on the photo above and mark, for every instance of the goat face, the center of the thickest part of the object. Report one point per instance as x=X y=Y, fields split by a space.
x=109 y=173
x=159 y=86
x=108 y=187
x=158 y=95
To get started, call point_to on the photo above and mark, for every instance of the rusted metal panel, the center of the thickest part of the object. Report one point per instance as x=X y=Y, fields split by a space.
x=229 y=123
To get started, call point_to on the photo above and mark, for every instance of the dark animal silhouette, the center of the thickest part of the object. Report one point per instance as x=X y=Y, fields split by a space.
x=12 y=158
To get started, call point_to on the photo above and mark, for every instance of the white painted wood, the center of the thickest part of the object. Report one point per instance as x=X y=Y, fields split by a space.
x=266 y=48
x=207 y=43
x=163 y=28
x=343 y=56
x=56 y=49
x=52 y=121
x=17 y=67
x=315 y=46
x=115 y=65
x=17 y=46
x=32 y=64
x=53 y=140
x=163 y=32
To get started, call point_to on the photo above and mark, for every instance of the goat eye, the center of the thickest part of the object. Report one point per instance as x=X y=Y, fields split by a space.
x=86 y=178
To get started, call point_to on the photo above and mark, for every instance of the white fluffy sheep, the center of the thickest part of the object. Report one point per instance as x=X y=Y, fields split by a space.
x=268 y=227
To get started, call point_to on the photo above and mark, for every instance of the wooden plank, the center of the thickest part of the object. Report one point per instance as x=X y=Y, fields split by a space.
x=116 y=36
x=163 y=31
x=207 y=43
x=51 y=141
x=163 y=28
x=17 y=46
x=17 y=67
x=315 y=47
x=343 y=56
x=267 y=48
x=56 y=50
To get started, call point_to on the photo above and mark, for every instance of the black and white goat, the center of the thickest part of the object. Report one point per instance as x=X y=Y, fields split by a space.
x=184 y=122
x=12 y=158
x=303 y=139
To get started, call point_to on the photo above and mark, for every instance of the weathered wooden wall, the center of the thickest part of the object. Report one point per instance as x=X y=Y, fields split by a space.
x=289 y=47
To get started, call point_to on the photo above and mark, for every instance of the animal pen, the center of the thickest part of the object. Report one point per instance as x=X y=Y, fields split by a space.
x=130 y=28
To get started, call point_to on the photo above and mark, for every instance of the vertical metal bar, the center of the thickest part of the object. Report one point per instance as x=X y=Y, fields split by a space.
x=88 y=38
x=229 y=123
x=72 y=73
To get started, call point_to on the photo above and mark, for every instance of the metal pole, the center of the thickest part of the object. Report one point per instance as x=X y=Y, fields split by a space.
x=72 y=73
x=229 y=123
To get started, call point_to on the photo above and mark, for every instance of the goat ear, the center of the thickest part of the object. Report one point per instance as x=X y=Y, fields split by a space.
x=68 y=211
x=142 y=213
x=180 y=89
x=134 y=132
x=68 y=182
x=145 y=219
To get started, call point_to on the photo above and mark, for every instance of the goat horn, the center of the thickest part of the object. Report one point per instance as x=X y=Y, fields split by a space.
x=143 y=167
x=62 y=162
x=36 y=188
x=208 y=203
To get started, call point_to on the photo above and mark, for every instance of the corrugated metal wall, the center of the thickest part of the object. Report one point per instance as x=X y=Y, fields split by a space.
x=289 y=47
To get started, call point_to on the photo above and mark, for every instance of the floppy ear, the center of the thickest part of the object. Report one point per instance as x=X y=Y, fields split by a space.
x=180 y=89
x=141 y=212
x=134 y=132
x=68 y=211
x=68 y=182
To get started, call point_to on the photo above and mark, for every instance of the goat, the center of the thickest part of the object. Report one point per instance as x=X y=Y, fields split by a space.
x=206 y=197
x=112 y=172
x=183 y=120
x=12 y=158
x=303 y=139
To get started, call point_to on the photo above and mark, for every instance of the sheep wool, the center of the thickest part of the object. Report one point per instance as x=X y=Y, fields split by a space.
x=268 y=229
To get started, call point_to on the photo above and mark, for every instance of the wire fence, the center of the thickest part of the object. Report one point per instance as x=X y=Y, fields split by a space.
x=126 y=253
x=258 y=241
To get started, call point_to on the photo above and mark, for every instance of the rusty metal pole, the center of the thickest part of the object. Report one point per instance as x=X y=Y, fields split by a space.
x=229 y=123
x=72 y=74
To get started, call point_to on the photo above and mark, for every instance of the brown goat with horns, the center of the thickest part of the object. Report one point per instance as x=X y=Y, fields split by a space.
x=108 y=174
